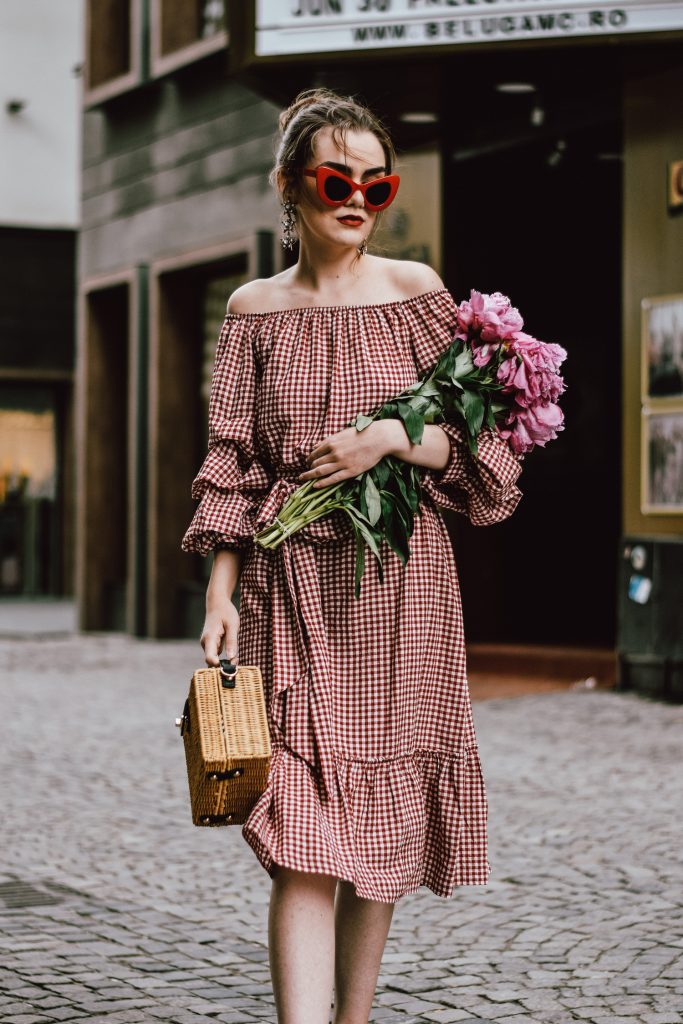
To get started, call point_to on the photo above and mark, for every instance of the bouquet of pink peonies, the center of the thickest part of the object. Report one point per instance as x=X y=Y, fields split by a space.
x=492 y=374
x=526 y=370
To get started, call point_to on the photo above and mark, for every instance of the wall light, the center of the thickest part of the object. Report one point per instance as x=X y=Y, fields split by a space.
x=537 y=116
x=515 y=88
x=418 y=117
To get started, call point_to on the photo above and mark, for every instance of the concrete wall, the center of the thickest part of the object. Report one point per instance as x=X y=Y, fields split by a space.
x=653 y=256
x=40 y=46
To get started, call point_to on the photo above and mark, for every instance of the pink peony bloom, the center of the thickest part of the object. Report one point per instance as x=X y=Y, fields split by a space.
x=531 y=370
x=536 y=424
x=482 y=354
x=492 y=316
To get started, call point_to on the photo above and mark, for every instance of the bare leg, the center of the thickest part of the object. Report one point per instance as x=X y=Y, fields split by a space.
x=361 y=928
x=301 y=945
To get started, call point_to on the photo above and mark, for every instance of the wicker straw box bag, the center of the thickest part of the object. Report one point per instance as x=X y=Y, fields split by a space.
x=227 y=743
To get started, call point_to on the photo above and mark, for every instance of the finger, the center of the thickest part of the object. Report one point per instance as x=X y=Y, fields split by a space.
x=231 y=643
x=316 y=471
x=212 y=643
x=322 y=449
x=334 y=478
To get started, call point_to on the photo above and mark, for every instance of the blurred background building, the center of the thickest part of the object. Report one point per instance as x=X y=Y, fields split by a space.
x=541 y=154
x=40 y=122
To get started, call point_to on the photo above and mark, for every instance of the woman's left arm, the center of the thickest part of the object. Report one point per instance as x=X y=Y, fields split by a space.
x=349 y=452
x=433 y=452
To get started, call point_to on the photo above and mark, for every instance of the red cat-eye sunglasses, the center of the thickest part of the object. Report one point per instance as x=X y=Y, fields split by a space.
x=335 y=188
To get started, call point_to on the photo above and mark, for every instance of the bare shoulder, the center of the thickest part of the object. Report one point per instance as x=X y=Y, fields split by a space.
x=412 y=278
x=259 y=296
x=249 y=297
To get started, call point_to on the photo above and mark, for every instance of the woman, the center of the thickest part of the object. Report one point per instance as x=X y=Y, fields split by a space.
x=375 y=785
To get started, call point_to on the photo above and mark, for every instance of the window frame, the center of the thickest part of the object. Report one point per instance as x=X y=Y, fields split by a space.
x=163 y=63
x=96 y=94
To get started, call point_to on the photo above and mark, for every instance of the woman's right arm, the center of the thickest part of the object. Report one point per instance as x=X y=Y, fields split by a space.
x=222 y=618
x=230 y=486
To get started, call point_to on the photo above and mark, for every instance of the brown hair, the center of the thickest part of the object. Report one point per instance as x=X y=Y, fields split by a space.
x=312 y=110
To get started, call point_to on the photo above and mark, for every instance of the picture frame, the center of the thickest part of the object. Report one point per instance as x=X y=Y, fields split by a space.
x=662 y=348
x=662 y=460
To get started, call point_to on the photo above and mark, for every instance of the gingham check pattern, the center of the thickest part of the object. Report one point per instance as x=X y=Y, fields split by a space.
x=375 y=776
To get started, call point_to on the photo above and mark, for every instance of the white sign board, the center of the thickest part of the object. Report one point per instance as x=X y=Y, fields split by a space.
x=326 y=26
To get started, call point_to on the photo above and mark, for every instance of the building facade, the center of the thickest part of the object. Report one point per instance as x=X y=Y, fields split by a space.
x=177 y=212
x=540 y=156
x=40 y=119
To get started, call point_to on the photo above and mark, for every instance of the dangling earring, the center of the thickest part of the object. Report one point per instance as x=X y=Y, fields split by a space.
x=363 y=247
x=288 y=222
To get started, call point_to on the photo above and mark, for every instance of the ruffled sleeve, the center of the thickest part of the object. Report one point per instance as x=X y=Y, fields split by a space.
x=482 y=487
x=233 y=481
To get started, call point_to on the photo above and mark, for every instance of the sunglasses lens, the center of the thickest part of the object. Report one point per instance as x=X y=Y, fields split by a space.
x=337 y=189
x=379 y=193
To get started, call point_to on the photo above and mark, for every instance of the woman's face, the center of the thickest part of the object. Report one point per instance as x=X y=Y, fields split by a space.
x=360 y=156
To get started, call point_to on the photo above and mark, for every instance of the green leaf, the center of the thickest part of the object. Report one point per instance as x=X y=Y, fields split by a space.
x=372 y=500
x=387 y=504
x=362 y=422
x=463 y=364
x=362 y=502
x=473 y=407
x=365 y=528
x=381 y=472
x=398 y=540
x=412 y=421
x=428 y=389
x=360 y=562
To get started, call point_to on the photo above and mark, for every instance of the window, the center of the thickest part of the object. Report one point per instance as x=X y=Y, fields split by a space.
x=113 y=47
x=28 y=489
x=185 y=30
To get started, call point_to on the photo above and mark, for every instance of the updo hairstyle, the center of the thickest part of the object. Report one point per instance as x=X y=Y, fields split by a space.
x=312 y=110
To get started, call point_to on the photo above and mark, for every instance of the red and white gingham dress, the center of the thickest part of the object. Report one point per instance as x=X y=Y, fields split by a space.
x=375 y=775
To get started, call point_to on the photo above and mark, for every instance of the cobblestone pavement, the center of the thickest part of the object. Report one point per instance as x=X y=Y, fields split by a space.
x=117 y=909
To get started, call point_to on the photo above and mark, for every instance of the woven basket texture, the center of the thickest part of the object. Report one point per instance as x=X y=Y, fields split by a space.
x=226 y=731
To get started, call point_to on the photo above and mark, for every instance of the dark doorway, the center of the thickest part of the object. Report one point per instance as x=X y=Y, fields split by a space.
x=540 y=220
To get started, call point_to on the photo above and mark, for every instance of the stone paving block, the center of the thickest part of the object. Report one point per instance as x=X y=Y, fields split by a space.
x=615 y=1020
x=62 y=1013
x=411 y=984
x=502 y=995
x=463 y=981
x=520 y=1018
x=26 y=1018
x=446 y=1016
x=234 y=1017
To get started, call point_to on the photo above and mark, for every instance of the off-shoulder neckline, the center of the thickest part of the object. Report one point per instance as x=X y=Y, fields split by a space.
x=331 y=309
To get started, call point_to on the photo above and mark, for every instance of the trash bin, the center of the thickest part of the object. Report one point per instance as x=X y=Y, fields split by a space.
x=650 y=621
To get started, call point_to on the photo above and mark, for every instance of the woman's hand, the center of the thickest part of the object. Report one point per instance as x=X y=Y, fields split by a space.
x=346 y=454
x=222 y=623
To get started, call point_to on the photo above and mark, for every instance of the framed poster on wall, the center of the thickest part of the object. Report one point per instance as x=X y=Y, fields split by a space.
x=662 y=460
x=662 y=348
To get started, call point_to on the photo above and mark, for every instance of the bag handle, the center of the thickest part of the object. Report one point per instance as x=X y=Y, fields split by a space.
x=228 y=672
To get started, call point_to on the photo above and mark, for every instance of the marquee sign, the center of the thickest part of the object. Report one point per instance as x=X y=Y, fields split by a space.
x=291 y=27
